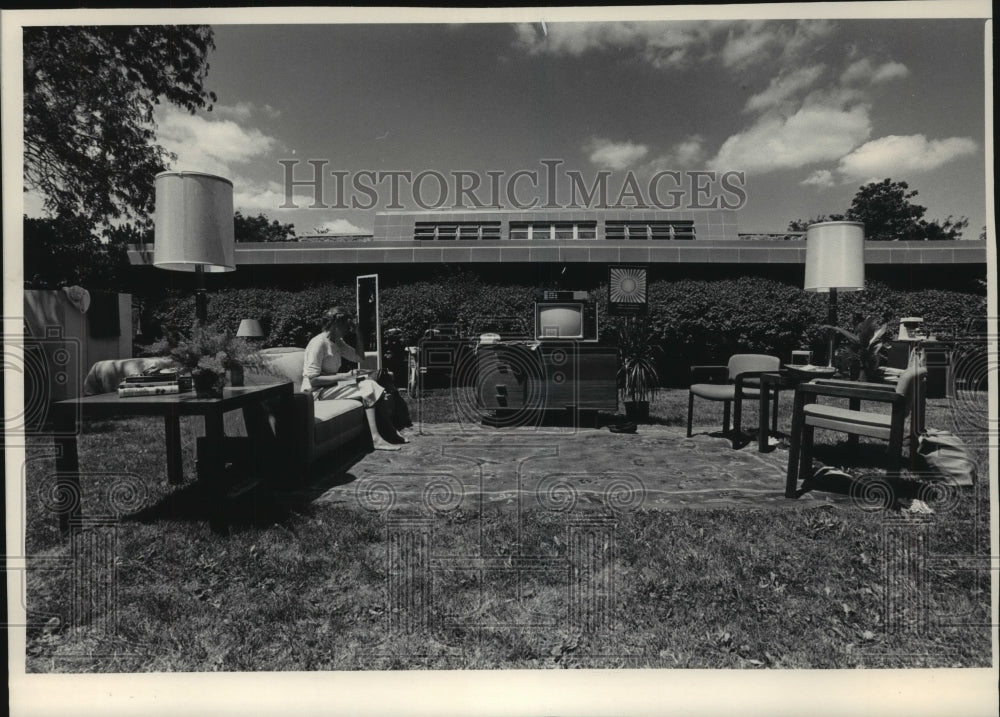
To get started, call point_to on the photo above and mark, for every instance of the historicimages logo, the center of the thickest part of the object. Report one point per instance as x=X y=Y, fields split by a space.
x=547 y=187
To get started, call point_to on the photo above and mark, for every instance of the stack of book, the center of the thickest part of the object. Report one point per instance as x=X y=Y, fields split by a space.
x=156 y=384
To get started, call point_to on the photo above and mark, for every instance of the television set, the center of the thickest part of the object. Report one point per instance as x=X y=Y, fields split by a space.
x=565 y=320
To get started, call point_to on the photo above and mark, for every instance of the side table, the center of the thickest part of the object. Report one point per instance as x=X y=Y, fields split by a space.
x=211 y=460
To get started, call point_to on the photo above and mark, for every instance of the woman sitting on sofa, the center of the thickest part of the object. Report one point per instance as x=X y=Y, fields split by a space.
x=321 y=375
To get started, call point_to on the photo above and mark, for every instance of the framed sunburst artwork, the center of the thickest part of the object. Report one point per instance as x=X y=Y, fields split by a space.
x=627 y=289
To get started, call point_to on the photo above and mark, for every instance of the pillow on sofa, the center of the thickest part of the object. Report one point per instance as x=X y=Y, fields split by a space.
x=285 y=363
x=104 y=376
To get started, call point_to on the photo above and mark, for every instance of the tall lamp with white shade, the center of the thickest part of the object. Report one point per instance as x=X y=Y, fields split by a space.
x=194 y=228
x=835 y=261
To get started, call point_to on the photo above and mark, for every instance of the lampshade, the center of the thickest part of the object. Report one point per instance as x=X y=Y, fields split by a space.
x=193 y=222
x=250 y=328
x=835 y=256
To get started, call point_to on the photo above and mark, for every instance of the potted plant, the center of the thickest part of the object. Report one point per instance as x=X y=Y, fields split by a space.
x=637 y=374
x=862 y=356
x=208 y=353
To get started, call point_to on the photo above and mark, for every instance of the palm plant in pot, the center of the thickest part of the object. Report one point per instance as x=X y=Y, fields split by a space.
x=207 y=354
x=862 y=356
x=637 y=375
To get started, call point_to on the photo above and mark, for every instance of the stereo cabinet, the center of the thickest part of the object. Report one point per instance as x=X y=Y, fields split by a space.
x=516 y=380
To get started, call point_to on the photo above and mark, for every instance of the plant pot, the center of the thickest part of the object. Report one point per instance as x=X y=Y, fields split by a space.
x=637 y=410
x=236 y=376
x=207 y=383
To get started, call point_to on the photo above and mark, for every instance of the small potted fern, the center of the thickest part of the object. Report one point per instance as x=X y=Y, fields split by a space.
x=638 y=378
x=208 y=353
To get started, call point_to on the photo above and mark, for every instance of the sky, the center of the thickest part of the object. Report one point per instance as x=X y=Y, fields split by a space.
x=808 y=110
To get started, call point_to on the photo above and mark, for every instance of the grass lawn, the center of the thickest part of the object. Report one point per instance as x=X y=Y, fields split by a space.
x=318 y=586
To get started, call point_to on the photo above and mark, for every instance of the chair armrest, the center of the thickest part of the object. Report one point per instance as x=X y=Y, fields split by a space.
x=741 y=377
x=859 y=384
x=709 y=374
x=854 y=391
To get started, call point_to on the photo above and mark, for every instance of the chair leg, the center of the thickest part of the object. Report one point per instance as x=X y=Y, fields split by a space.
x=895 y=459
x=725 y=418
x=737 y=415
x=805 y=455
x=792 y=475
x=690 y=411
x=774 y=412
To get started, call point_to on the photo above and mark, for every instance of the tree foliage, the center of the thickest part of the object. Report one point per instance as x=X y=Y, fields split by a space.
x=887 y=213
x=260 y=229
x=66 y=251
x=89 y=98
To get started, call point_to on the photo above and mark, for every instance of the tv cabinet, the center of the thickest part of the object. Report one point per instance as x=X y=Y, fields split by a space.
x=519 y=379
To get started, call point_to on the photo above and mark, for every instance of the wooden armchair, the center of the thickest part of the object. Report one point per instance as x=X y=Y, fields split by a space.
x=808 y=415
x=732 y=383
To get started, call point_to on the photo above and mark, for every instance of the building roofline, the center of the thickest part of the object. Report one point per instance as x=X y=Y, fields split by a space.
x=596 y=251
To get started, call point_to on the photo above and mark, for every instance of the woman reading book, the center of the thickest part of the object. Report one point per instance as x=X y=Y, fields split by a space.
x=322 y=376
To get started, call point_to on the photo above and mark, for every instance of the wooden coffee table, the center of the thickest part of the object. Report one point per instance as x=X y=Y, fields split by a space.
x=212 y=450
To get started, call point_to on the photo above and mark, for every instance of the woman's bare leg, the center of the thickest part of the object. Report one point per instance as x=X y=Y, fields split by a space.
x=383 y=413
x=378 y=442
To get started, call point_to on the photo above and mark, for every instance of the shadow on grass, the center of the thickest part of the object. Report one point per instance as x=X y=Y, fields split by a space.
x=859 y=471
x=266 y=503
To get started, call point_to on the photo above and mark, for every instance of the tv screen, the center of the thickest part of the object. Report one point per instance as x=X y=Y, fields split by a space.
x=558 y=320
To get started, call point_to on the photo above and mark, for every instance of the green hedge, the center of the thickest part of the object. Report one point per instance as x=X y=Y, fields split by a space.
x=697 y=321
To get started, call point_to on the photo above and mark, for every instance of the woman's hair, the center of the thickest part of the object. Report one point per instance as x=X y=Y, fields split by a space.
x=334 y=314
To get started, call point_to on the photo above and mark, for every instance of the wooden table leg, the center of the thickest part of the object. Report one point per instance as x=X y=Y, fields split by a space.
x=175 y=467
x=792 y=476
x=765 y=405
x=852 y=438
x=69 y=494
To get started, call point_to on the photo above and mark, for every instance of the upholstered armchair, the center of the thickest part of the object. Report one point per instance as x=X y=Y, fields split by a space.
x=731 y=384
x=905 y=398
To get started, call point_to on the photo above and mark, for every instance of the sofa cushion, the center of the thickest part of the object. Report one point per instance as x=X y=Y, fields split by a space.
x=286 y=363
x=325 y=410
x=336 y=422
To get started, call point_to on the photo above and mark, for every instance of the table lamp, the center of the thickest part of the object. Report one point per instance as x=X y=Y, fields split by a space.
x=835 y=261
x=194 y=228
x=250 y=329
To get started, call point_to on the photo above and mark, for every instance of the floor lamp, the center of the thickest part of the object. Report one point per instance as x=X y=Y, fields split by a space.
x=194 y=228
x=835 y=261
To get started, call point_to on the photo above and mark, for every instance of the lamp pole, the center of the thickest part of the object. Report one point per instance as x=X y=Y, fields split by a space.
x=831 y=320
x=200 y=297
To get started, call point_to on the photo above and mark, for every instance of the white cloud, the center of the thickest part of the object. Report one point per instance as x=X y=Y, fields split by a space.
x=674 y=45
x=614 y=155
x=820 y=178
x=757 y=42
x=900 y=155
x=890 y=71
x=340 y=226
x=686 y=154
x=805 y=36
x=748 y=43
x=239 y=111
x=249 y=196
x=813 y=134
x=689 y=152
x=207 y=145
x=243 y=111
x=863 y=71
x=783 y=88
x=664 y=45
